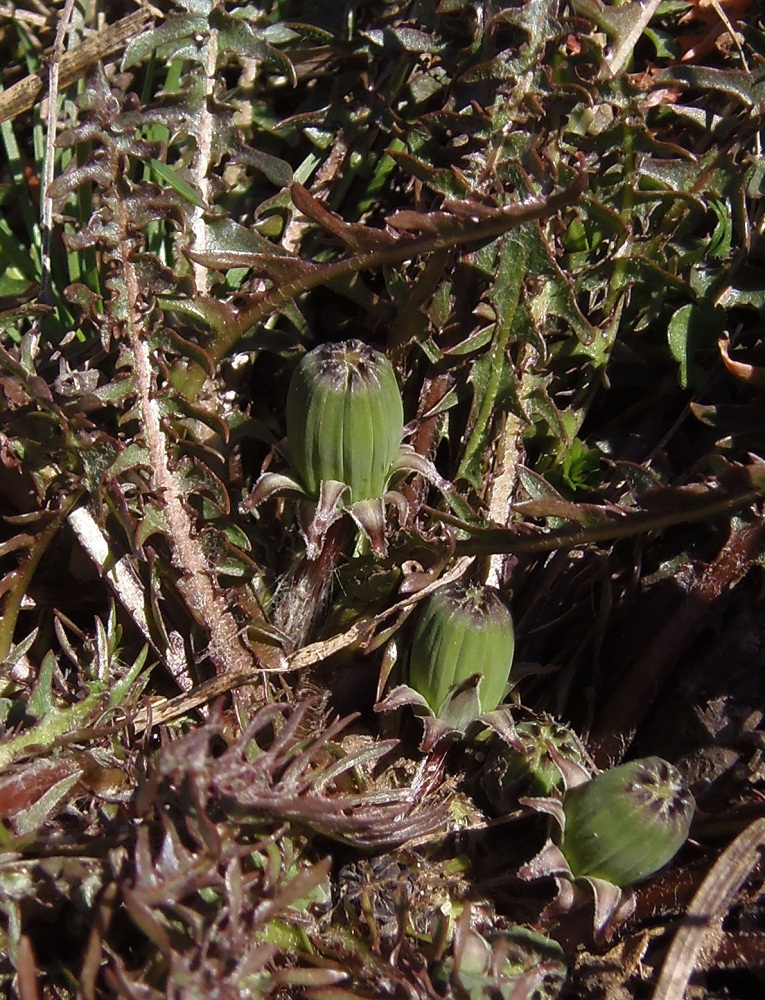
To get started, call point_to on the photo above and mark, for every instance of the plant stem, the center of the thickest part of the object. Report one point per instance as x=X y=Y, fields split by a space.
x=307 y=586
x=23 y=576
x=492 y=540
x=203 y=598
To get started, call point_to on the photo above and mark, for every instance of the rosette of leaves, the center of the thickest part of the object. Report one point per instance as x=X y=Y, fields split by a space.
x=614 y=830
x=345 y=423
x=459 y=661
x=515 y=963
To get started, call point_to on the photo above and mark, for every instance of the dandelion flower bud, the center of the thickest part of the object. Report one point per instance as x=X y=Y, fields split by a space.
x=626 y=823
x=463 y=630
x=345 y=419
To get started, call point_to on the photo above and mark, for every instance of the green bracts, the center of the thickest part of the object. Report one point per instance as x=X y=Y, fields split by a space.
x=345 y=419
x=626 y=823
x=463 y=630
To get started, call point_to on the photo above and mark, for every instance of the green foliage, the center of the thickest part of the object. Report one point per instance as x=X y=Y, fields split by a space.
x=514 y=964
x=544 y=219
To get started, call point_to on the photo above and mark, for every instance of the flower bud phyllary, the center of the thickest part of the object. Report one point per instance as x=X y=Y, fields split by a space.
x=626 y=823
x=463 y=629
x=345 y=419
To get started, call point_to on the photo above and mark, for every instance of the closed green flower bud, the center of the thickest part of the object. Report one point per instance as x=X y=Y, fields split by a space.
x=528 y=767
x=462 y=630
x=345 y=419
x=626 y=823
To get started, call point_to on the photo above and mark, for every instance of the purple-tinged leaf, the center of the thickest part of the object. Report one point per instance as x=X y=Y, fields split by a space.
x=612 y=907
x=269 y=485
x=369 y=515
x=548 y=862
x=354 y=236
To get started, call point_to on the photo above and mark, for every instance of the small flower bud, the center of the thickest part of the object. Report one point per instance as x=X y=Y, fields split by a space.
x=626 y=823
x=462 y=630
x=345 y=419
x=528 y=767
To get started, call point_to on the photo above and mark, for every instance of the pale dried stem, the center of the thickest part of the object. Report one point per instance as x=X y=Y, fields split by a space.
x=701 y=929
x=203 y=599
x=46 y=202
x=505 y=480
x=73 y=65
x=129 y=589
x=622 y=53
x=202 y=159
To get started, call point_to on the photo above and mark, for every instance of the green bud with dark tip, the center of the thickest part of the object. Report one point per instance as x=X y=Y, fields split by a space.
x=345 y=419
x=462 y=629
x=626 y=823
x=528 y=767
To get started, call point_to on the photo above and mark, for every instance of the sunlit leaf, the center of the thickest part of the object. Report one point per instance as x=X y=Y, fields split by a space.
x=176 y=182
x=693 y=331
